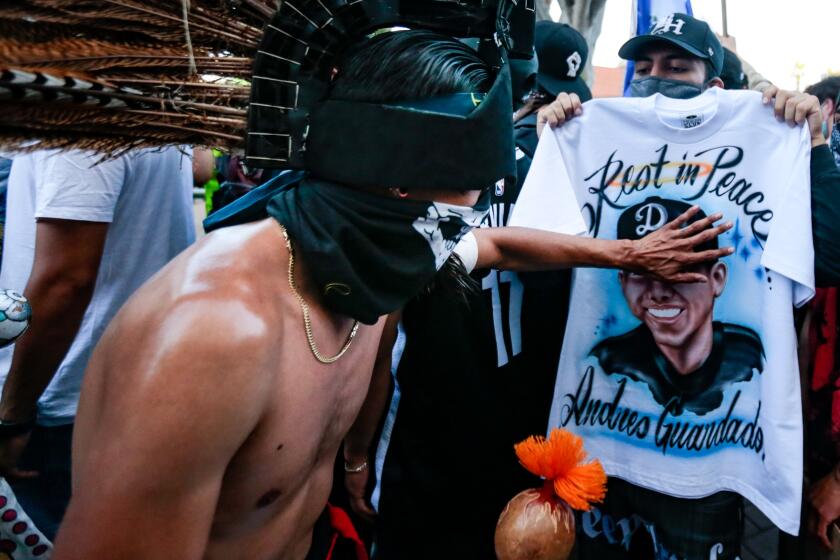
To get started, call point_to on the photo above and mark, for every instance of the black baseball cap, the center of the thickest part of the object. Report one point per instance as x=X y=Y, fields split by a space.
x=561 y=56
x=686 y=32
x=646 y=217
x=733 y=76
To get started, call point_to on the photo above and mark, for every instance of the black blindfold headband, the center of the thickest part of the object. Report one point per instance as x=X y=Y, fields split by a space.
x=400 y=145
x=407 y=144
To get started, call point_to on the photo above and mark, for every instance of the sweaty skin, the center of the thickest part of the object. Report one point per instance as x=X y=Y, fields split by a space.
x=206 y=428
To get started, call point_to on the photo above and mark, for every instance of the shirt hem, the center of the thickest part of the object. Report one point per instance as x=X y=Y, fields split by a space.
x=76 y=216
x=693 y=490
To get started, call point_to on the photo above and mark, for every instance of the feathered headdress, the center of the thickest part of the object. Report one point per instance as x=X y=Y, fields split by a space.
x=111 y=75
x=116 y=74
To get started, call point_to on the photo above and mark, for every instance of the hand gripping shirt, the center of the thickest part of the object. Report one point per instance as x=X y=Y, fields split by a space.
x=685 y=389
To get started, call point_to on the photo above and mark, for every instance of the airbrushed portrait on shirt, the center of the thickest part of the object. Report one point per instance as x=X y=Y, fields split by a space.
x=681 y=347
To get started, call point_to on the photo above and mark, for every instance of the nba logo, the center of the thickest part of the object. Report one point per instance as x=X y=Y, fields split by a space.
x=500 y=187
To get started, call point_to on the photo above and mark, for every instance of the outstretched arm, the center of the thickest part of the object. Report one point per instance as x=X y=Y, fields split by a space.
x=153 y=439
x=663 y=254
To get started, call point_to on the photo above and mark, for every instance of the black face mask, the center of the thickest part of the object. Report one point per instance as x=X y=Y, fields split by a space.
x=366 y=254
x=675 y=89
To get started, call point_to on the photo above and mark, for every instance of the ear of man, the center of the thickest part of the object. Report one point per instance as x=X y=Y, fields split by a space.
x=718 y=276
x=714 y=82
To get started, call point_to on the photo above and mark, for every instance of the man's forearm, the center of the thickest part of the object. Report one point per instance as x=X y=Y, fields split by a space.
x=359 y=440
x=525 y=249
x=666 y=254
x=58 y=305
x=756 y=81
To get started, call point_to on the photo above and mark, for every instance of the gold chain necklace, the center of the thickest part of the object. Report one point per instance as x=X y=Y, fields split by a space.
x=307 y=322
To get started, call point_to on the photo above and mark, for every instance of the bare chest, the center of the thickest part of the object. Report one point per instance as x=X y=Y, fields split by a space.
x=281 y=476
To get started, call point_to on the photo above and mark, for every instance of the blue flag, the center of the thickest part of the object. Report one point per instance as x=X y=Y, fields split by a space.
x=647 y=13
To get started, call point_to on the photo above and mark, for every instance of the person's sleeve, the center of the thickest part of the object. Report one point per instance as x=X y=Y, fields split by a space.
x=467 y=251
x=755 y=81
x=825 y=202
x=789 y=250
x=547 y=200
x=80 y=186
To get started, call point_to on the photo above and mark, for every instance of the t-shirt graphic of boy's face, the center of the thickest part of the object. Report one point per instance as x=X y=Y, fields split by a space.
x=679 y=316
x=684 y=356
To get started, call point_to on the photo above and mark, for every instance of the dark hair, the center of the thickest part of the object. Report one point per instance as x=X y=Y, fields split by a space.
x=828 y=88
x=732 y=75
x=453 y=278
x=410 y=64
x=710 y=71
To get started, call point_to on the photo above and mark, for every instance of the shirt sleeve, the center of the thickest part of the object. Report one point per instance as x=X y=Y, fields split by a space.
x=467 y=251
x=825 y=212
x=76 y=185
x=755 y=81
x=547 y=200
x=790 y=249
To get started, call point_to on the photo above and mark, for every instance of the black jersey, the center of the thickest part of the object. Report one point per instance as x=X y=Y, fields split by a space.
x=474 y=378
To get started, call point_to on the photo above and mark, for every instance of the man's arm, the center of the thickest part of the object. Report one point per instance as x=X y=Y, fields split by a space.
x=204 y=166
x=664 y=254
x=825 y=216
x=824 y=499
x=755 y=81
x=67 y=256
x=157 y=432
x=358 y=443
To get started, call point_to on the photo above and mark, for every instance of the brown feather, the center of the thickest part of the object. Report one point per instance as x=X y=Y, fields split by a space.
x=134 y=51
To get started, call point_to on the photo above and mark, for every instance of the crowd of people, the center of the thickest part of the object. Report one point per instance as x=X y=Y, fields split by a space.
x=344 y=372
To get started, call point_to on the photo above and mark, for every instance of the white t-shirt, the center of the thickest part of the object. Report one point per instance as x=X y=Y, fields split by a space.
x=146 y=195
x=690 y=389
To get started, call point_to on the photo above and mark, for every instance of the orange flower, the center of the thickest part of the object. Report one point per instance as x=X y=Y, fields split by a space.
x=561 y=460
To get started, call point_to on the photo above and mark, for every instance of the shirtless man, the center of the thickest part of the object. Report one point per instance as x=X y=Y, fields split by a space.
x=208 y=427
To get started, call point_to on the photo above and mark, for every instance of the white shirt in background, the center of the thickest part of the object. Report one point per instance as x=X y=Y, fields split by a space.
x=145 y=195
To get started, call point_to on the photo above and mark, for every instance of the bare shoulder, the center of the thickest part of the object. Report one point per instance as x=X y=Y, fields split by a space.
x=212 y=312
x=228 y=278
x=179 y=382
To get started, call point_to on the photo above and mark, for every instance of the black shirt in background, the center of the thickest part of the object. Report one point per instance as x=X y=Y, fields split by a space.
x=450 y=466
x=825 y=216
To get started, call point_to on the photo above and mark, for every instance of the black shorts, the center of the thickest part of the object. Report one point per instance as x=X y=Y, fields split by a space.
x=636 y=523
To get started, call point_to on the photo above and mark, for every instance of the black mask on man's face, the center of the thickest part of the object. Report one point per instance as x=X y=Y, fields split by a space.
x=675 y=89
x=368 y=254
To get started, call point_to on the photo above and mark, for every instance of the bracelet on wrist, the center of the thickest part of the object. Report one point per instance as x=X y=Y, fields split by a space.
x=15 y=428
x=349 y=468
